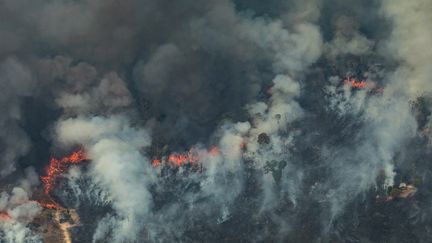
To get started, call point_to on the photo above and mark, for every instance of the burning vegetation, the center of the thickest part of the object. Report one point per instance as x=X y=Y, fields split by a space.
x=58 y=166
x=403 y=191
x=371 y=86
x=292 y=94
x=193 y=156
x=5 y=216
x=355 y=84
x=64 y=218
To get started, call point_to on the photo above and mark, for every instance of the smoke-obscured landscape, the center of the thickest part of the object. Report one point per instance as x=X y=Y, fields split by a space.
x=215 y=121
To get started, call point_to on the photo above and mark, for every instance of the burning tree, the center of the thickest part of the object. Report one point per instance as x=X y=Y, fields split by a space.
x=59 y=166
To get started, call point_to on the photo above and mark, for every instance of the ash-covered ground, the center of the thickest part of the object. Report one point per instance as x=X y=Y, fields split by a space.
x=215 y=121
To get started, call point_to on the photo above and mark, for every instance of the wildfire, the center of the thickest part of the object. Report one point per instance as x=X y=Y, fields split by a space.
x=50 y=205
x=370 y=85
x=5 y=216
x=55 y=211
x=67 y=224
x=355 y=84
x=59 y=166
x=156 y=162
x=191 y=157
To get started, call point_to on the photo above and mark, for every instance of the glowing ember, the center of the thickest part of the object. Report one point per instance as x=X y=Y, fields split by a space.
x=214 y=151
x=179 y=159
x=156 y=162
x=59 y=166
x=370 y=85
x=191 y=157
x=5 y=216
x=355 y=84
x=50 y=205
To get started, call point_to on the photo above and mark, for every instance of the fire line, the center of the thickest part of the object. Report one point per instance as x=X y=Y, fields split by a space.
x=59 y=166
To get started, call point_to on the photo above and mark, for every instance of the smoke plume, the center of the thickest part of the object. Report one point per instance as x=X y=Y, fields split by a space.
x=220 y=120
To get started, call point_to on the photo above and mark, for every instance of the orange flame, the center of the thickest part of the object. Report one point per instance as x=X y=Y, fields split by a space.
x=49 y=205
x=214 y=151
x=156 y=162
x=59 y=166
x=372 y=86
x=355 y=84
x=191 y=157
x=5 y=216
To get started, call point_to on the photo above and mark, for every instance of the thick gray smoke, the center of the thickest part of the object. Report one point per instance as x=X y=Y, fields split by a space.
x=256 y=95
x=17 y=82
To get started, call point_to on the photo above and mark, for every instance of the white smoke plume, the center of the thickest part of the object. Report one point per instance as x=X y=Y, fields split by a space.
x=17 y=211
x=118 y=169
x=15 y=77
x=255 y=93
x=409 y=42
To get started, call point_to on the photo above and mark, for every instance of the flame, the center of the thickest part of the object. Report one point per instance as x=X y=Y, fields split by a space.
x=214 y=151
x=55 y=168
x=50 y=205
x=179 y=159
x=156 y=162
x=370 y=85
x=59 y=166
x=5 y=216
x=355 y=84
x=191 y=157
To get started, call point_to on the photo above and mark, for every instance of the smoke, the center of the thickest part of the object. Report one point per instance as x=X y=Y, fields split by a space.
x=118 y=169
x=17 y=79
x=17 y=211
x=347 y=39
x=274 y=145
x=409 y=43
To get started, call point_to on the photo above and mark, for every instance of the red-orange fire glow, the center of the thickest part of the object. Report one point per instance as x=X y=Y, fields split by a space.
x=191 y=157
x=355 y=84
x=179 y=159
x=50 y=205
x=214 y=151
x=370 y=85
x=5 y=216
x=59 y=166
x=156 y=162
